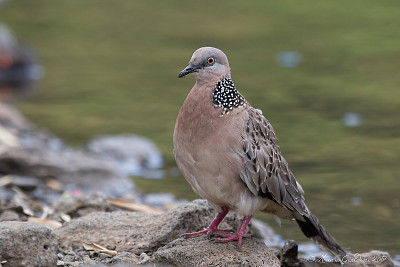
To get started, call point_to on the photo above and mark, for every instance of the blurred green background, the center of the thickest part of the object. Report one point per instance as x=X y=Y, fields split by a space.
x=112 y=66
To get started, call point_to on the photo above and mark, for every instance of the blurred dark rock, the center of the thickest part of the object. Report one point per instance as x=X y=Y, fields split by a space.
x=32 y=158
x=289 y=254
x=9 y=215
x=27 y=244
x=78 y=206
x=132 y=154
x=74 y=169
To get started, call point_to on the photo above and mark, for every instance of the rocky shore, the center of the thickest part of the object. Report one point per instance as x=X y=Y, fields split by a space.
x=77 y=207
x=107 y=236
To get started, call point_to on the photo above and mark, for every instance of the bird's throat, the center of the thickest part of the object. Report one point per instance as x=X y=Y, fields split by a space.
x=226 y=97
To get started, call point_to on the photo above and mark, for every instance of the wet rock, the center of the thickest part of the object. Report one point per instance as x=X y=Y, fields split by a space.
x=289 y=254
x=132 y=154
x=27 y=244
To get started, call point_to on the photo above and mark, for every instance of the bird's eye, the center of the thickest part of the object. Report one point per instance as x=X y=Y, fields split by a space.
x=210 y=60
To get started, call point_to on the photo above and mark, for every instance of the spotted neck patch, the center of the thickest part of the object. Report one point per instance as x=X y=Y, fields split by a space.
x=226 y=96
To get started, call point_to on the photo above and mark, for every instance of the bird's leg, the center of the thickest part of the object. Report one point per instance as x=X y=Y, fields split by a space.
x=238 y=235
x=213 y=227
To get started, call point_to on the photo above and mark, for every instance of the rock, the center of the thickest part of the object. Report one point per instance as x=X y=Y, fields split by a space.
x=158 y=235
x=138 y=232
x=76 y=170
x=33 y=157
x=25 y=183
x=78 y=206
x=289 y=254
x=9 y=215
x=132 y=154
x=203 y=252
x=27 y=244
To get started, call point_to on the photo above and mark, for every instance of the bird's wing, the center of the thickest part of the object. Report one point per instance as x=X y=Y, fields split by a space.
x=265 y=172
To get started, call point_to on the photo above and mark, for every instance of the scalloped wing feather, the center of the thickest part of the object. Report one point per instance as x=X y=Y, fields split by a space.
x=266 y=173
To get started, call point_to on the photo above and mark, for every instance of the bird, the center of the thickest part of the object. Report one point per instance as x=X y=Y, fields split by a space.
x=229 y=154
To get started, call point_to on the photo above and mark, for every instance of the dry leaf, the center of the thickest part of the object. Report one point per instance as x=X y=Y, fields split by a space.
x=51 y=223
x=98 y=248
x=5 y=180
x=53 y=184
x=19 y=201
x=133 y=206
x=25 y=196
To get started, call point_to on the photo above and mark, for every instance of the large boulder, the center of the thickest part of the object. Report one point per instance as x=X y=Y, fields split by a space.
x=156 y=237
x=138 y=232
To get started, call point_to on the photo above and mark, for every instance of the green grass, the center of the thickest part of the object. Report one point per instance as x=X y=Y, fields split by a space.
x=112 y=66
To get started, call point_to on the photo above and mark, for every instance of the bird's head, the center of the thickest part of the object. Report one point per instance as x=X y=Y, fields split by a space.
x=207 y=63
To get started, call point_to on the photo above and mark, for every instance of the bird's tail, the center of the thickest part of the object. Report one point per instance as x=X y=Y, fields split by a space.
x=314 y=230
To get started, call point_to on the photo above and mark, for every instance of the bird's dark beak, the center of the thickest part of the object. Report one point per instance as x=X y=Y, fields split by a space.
x=188 y=69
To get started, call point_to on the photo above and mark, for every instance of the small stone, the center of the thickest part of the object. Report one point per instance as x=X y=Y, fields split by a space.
x=88 y=260
x=104 y=256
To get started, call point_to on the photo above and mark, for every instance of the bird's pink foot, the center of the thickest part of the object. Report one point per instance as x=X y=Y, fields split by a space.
x=213 y=227
x=232 y=237
x=209 y=231
x=228 y=236
x=237 y=236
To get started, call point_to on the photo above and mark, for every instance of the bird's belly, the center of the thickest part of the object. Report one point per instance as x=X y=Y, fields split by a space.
x=219 y=182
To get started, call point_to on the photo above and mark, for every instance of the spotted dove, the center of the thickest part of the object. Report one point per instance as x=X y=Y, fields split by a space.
x=229 y=154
